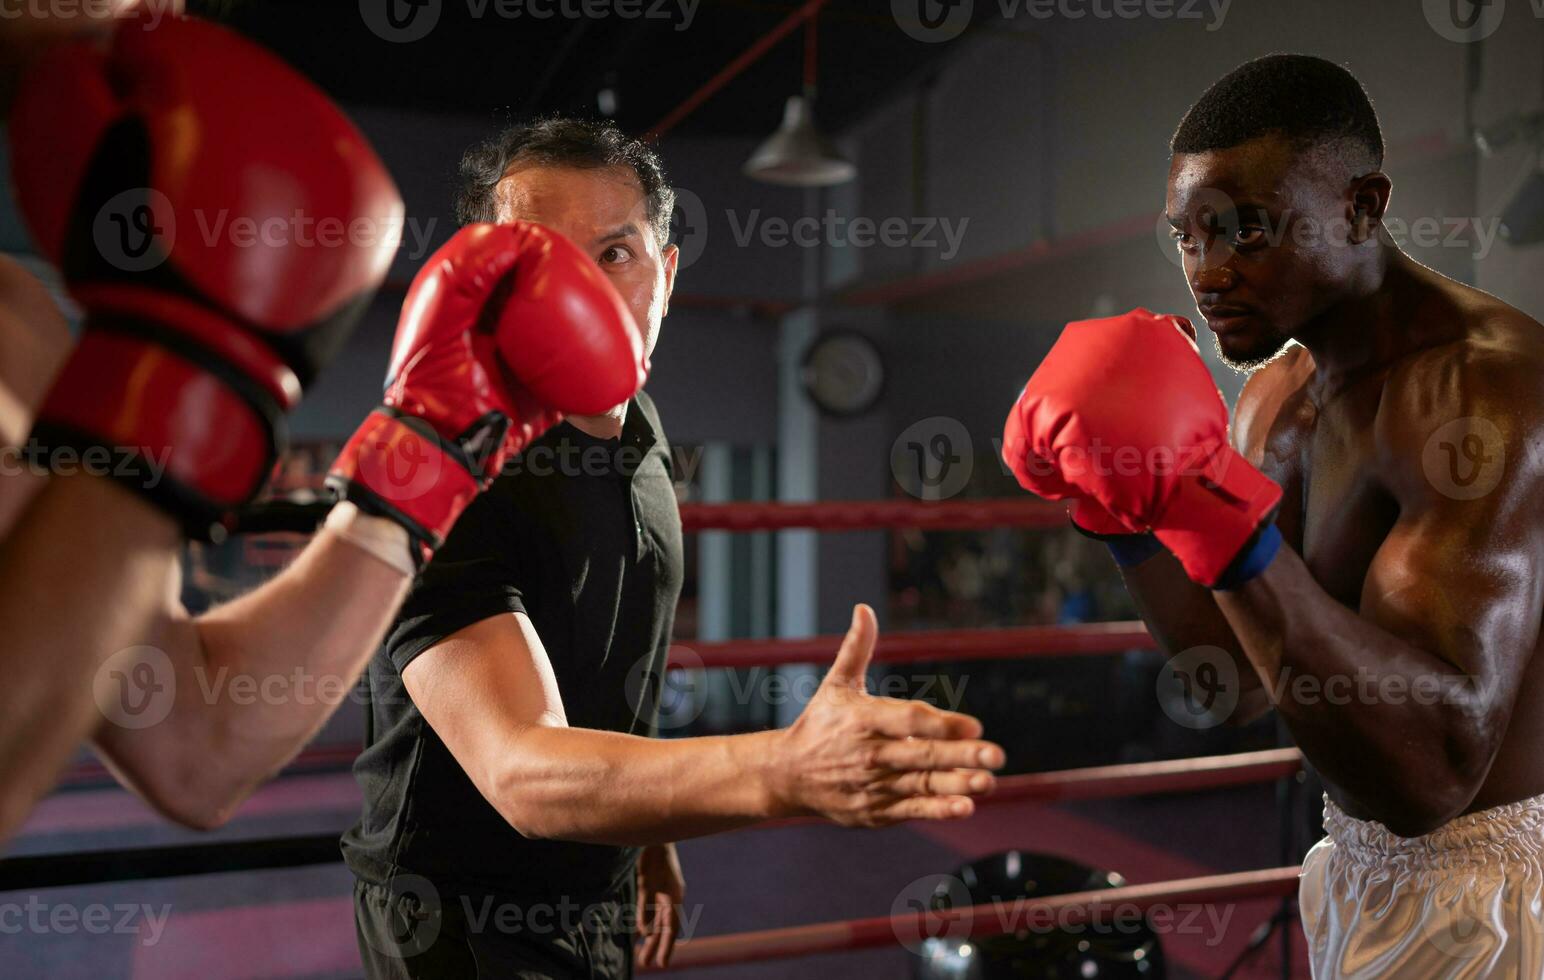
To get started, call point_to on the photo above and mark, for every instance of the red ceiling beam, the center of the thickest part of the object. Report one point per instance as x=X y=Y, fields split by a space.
x=729 y=72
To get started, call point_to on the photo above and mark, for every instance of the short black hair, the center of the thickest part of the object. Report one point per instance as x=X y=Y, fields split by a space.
x=560 y=141
x=1310 y=101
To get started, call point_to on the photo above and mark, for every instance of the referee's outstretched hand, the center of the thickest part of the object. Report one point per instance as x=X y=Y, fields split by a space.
x=866 y=761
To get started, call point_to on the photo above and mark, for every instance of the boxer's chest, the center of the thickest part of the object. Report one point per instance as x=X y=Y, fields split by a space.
x=1335 y=511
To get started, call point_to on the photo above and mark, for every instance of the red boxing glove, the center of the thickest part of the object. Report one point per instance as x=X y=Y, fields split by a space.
x=506 y=328
x=221 y=223
x=1129 y=546
x=1123 y=411
x=1035 y=475
x=1090 y=517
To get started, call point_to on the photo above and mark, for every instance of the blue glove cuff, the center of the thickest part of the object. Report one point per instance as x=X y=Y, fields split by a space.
x=1252 y=560
x=1132 y=549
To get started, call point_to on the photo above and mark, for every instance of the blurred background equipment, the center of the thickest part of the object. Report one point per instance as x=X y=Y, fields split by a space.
x=1040 y=950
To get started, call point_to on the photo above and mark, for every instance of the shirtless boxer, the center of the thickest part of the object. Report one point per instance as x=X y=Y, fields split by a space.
x=518 y=819
x=193 y=361
x=1370 y=555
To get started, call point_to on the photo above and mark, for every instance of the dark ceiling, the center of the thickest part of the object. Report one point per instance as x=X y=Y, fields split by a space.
x=521 y=64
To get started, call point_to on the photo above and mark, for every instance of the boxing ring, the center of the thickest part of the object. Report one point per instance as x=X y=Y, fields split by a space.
x=1280 y=766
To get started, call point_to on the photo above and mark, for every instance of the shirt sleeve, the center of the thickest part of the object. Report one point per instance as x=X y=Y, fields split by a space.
x=474 y=576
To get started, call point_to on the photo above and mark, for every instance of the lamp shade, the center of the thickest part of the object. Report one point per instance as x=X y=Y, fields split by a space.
x=797 y=155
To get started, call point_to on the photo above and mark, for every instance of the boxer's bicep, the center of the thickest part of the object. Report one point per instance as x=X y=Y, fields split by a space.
x=481 y=688
x=1459 y=577
x=1468 y=596
x=1460 y=569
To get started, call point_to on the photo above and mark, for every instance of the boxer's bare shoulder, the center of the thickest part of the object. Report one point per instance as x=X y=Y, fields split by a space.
x=1271 y=399
x=34 y=339
x=1491 y=374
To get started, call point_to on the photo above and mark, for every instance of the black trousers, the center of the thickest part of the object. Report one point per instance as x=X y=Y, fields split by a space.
x=404 y=935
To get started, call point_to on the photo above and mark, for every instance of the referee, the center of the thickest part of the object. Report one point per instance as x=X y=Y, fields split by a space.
x=518 y=821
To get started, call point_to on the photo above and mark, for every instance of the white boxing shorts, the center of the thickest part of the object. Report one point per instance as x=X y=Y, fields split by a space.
x=1464 y=901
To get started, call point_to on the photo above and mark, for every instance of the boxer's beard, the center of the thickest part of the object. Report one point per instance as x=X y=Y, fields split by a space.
x=1253 y=357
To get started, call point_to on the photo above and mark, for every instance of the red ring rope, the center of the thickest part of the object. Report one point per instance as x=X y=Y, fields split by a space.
x=982 y=921
x=1139 y=778
x=972 y=644
x=1095 y=782
x=867 y=515
x=1129 y=779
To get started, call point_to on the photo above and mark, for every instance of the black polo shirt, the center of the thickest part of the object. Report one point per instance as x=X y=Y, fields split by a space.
x=583 y=536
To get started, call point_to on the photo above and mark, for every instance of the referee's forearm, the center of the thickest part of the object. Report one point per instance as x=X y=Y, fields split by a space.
x=600 y=787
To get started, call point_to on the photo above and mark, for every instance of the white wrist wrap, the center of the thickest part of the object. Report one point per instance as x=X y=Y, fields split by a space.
x=385 y=539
